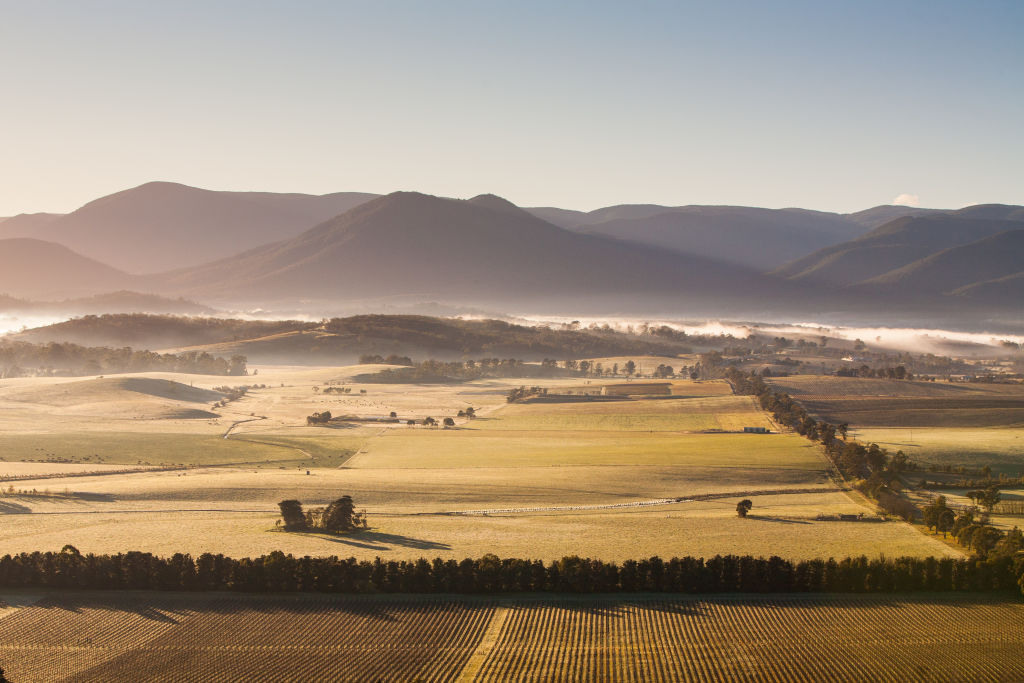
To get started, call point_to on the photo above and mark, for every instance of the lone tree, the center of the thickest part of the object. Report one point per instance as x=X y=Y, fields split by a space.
x=449 y=422
x=743 y=507
x=291 y=512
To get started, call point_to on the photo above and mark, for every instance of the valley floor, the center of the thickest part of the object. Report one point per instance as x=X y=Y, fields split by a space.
x=660 y=475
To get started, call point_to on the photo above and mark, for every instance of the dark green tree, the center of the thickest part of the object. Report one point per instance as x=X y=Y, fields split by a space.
x=291 y=512
x=339 y=515
x=743 y=507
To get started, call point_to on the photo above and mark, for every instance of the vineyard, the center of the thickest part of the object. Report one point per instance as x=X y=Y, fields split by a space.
x=295 y=638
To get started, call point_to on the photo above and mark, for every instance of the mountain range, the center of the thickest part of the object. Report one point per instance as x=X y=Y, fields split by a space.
x=160 y=226
x=247 y=248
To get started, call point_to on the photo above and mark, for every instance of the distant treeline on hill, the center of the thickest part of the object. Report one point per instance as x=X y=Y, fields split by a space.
x=431 y=371
x=143 y=330
x=380 y=335
x=497 y=336
x=489 y=574
x=22 y=359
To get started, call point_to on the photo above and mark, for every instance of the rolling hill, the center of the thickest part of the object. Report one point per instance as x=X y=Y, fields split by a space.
x=410 y=245
x=160 y=226
x=757 y=238
x=37 y=269
x=955 y=268
x=895 y=245
x=122 y=301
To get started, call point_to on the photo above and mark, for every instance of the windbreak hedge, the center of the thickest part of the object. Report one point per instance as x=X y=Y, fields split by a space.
x=278 y=572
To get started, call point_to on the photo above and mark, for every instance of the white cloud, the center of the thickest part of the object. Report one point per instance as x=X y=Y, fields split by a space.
x=907 y=200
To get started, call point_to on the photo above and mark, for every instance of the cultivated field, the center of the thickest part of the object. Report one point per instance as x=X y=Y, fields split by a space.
x=173 y=637
x=613 y=480
x=933 y=422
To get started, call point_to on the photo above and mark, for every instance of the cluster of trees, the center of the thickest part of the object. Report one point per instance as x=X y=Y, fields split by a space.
x=898 y=372
x=23 y=359
x=337 y=390
x=336 y=518
x=376 y=359
x=490 y=574
x=318 y=418
x=519 y=393
x=971 y=528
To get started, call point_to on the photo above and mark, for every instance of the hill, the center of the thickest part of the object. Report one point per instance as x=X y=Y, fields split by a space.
x=26 y=224
x=344 y=340
x=118 y=397
x=1003 y=291
x=894 y=245
x=410 y=245
x=160 y=226
x=123 y=301
x=952 y=269
x=142 y=331
x=877 y=216
x=758 y=238
x=38 y=269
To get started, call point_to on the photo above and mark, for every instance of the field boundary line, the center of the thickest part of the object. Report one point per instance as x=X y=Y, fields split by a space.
x=487 y=642
x=645 y=503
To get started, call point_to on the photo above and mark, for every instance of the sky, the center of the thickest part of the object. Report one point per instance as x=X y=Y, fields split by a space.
x=834 y=106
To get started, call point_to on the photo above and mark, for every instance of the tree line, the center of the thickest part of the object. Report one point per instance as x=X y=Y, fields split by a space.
x=490 y=574
x=879 y=473
x=24 y=359
x=436 y=371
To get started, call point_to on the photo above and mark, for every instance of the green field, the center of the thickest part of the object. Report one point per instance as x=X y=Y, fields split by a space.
x=174 y=637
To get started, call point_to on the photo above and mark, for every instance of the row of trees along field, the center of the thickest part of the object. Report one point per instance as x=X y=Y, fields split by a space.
x=490 y=574
x=23 y=359
x=878 y=473
x=448 y=371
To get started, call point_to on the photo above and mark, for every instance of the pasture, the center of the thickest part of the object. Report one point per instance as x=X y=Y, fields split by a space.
x=171 y=637
x=613 y=480
x=938 y=423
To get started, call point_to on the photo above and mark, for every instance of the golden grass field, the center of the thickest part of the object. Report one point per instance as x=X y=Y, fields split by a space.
x=530 y=480
x=934 y=422
x=173 y=637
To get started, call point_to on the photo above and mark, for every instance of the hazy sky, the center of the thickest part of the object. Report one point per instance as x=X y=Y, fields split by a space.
x=835 y=105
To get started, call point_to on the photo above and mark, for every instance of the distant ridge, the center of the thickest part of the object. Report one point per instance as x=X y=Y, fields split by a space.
x=31 y=268
x=484 y=249
x=894 y=245
x=159 y=226
x=123 y=301
x=949 y=270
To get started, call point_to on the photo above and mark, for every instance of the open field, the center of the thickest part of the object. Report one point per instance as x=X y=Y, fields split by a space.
x=611 y=480
x=901 y=403
x=176 y=636
x=937 y=423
